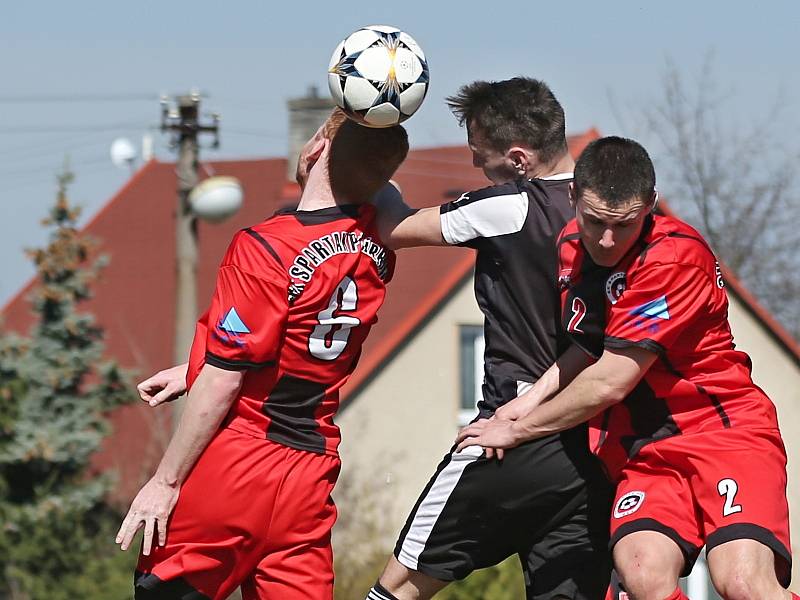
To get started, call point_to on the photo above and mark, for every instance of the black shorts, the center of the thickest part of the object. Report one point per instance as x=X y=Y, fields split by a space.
x=546 y=501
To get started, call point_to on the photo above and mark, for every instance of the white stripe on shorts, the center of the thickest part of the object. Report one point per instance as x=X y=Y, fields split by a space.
x=432 y=506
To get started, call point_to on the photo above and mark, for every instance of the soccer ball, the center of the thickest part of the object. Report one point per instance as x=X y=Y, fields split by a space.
x=378 y=76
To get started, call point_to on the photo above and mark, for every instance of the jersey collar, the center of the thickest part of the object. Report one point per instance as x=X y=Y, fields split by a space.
x=322 y=215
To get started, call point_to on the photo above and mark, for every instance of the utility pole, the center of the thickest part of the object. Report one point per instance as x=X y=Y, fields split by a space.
x=183 y=123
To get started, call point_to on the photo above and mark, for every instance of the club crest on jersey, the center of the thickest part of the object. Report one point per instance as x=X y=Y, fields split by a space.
x=564 y=279
x=230 y=329
x=615 y=285
x=628 y=504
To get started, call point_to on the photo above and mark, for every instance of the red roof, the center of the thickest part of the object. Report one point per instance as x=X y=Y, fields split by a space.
x=134 y=300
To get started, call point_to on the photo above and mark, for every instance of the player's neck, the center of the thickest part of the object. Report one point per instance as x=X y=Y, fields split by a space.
x=317 y=192
x=563 y=164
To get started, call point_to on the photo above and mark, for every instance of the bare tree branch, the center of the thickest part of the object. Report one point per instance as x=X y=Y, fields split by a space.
x=732 y=178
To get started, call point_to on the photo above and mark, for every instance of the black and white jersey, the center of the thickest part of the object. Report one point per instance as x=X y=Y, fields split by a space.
x=514 y=228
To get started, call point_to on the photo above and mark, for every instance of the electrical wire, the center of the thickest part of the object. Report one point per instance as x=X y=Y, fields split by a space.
x=63 y=98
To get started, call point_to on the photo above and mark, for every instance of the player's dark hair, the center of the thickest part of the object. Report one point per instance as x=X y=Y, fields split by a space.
x=617 y=170
x=362 y=159
x=515 y=111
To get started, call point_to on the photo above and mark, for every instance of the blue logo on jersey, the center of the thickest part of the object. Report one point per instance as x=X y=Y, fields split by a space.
x=229 y=328
x=233 y=324
x=655 y=309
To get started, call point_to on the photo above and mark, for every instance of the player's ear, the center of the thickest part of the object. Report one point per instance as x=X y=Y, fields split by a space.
x=654 y=206
x=572 y=199
x=309 y=156
x=519 y=159
x=318 y=146
x=316 y=149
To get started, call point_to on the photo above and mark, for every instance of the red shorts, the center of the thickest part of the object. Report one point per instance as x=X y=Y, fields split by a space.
x=252 y=513
x=708 y=489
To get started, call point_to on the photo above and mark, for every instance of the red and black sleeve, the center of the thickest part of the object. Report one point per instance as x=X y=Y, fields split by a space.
x=247 y=317
x=660 y=302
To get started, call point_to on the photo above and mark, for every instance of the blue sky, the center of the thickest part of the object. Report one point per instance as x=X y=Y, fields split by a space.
x=250 y=57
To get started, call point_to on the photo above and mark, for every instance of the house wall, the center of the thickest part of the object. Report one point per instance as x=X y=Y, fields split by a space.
x=403 y=421
x=778 y=374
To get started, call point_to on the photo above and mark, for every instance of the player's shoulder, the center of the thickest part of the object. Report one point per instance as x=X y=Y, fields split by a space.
x=570 y=235
x=672 y=241
x=570 y=250
x=253 y=249
x=494 y=193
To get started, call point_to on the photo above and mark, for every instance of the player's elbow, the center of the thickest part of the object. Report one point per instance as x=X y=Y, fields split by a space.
x=607 y=392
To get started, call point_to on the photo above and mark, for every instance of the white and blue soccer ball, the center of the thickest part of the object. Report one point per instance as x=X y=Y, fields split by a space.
x=378 y=76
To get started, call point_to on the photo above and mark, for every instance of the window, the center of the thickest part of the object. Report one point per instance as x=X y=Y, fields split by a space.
x=471 y=361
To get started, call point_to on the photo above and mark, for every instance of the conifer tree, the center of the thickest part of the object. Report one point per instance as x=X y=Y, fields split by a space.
x=56 y=528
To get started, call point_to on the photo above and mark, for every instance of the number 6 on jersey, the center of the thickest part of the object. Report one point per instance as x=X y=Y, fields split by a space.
x=329 y=338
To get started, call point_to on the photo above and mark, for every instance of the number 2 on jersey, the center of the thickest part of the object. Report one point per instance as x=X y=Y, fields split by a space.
x=728 y=488
x=329 y=338
x=578 y=313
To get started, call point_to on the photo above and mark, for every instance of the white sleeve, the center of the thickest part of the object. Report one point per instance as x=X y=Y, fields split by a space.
x=469 y=218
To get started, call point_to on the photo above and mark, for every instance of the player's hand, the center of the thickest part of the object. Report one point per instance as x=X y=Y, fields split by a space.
x=490 y=433
x=492 y=452
x=518 y=407
x=510 y=411
x=150 y=509
x=164 y=386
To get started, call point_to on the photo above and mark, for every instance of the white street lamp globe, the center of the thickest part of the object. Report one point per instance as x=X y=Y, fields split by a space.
x=216 y=198
x=123 y=152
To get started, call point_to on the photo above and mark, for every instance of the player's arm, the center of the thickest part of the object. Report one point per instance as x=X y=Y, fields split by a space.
x=556 y=378
x=208 y=402
x=599 y=386
x=401 y=226
x=490 y=212
x=242 y=330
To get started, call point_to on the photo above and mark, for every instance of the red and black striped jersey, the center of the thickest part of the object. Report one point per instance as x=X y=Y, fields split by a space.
x=295 y=298
x=666 y=295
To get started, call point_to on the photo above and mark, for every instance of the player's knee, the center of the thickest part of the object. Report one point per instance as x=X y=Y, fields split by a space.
x=743 y=582
x=647 y=584
x=740 y=586
x=744 y=569
x=644 y=577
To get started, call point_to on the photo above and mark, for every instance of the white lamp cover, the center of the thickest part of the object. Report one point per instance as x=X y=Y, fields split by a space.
x=216 y=198
x=122 y=152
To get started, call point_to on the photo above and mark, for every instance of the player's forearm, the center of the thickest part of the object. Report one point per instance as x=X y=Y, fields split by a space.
x=592 y=390
x=578 y=402
x=556 y=378
x=562 y=372
x=599 y=386
x=208 y=402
